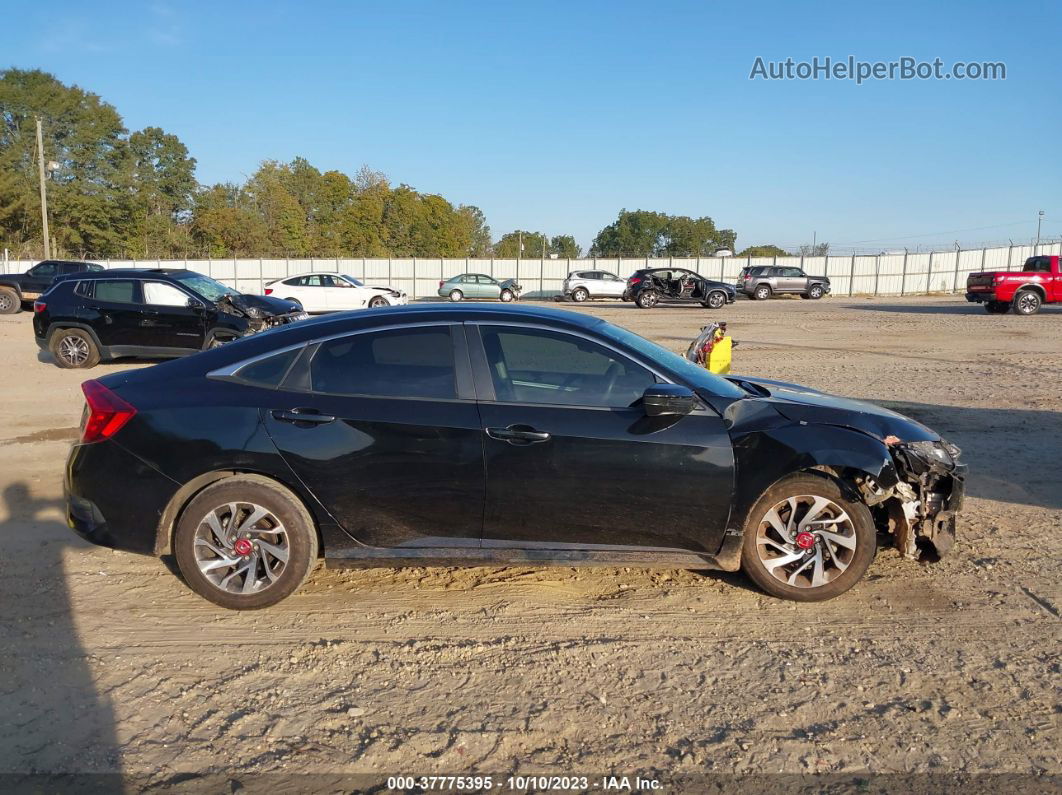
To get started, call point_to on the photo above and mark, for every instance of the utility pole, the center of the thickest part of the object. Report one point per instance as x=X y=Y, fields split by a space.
x=1039 y=220
x=520 y=248
x=44 y=193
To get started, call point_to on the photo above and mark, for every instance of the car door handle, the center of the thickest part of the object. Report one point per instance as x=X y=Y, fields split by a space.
x=302 y=415
x=518 y=434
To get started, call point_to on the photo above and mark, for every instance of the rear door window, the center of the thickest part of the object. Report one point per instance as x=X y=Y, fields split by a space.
x=117 y=291
x=412 y=362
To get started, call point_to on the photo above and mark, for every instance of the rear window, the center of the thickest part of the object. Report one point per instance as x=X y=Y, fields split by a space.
x=1037 y=265
x=416 y=362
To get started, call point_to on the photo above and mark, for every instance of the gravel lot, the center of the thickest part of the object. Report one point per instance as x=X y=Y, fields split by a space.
x=109 y=664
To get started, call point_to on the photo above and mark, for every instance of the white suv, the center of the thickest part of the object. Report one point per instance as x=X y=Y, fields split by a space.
x=583 y=285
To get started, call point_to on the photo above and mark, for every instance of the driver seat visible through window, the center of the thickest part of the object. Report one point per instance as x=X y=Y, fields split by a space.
x=540 y=366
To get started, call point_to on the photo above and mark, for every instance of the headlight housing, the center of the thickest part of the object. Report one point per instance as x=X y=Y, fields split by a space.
x=934 y=452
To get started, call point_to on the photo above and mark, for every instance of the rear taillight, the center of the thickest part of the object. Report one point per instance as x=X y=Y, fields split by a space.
x=634 y=280
x=998 y=279
x=107 y=413
x=441 y=283
x=268 y=290
x=39 y=306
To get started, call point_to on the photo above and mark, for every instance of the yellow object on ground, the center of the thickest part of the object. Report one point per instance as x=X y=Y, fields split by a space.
x=719 y=356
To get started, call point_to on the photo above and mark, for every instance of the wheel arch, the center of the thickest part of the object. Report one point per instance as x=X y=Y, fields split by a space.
x=174 y=509
x=1035 y=287
x=62 y=325
x=765 y=458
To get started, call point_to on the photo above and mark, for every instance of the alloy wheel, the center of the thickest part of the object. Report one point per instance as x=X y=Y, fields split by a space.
x=716 y=300
x=241 y=547
x=1027 y=303
x=73 y=350
x=806 y=541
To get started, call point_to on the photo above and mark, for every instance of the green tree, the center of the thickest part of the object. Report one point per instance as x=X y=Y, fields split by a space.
x=565 y=247
x=764 y=251
x=162 y=190
x=643 y=233
x=88 y=206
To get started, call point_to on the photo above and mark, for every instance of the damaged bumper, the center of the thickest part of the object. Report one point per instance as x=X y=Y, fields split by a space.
x=921 y=507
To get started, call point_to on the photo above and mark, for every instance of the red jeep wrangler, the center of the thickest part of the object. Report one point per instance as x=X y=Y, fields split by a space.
x=1036 y=284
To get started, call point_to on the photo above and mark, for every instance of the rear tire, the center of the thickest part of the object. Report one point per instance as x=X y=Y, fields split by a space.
x=285 y=527
x=74 y=349
x=1027 y=302
x=456 y=295
x=647 y=299
x=845 y=556
x=580 y=294
x=10 y=304
x=762 y=293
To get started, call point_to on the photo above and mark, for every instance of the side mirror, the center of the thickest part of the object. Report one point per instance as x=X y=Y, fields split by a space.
x=664 y=399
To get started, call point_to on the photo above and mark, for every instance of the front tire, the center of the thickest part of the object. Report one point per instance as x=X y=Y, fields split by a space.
x=1027 y=302
x=10 y=304
x=74 y=349
x=815 y=292
x=377 y=301
x=245 y=542
x=506 y=296
x=580 y=294
x=806 y=541
x=647 y=299
x=456 y=295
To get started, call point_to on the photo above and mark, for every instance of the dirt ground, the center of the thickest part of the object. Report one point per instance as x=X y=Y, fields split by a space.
x=109 y=664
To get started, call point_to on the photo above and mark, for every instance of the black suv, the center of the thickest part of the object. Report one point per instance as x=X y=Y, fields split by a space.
x=19 y=288
x=92 y=316
x=650 y=286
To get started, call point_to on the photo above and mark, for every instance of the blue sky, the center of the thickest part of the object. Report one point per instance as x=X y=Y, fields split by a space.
x=553 y=116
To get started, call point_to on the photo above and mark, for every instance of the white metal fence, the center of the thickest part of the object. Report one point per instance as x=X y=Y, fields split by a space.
x=885 y=274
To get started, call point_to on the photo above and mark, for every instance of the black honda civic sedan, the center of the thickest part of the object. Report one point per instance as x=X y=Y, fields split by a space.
x=493 y=435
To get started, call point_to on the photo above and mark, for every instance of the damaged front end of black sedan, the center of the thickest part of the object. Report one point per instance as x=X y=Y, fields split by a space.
x=909 y=477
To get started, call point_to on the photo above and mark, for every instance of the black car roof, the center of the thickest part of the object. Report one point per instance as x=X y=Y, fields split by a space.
x=116 y=273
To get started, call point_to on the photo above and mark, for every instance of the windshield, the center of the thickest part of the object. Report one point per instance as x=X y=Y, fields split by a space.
x=695 y=375
x=204 y=285
x=355 y=282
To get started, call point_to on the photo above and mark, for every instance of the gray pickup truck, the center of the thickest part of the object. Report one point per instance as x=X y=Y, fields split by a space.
x=763 y=281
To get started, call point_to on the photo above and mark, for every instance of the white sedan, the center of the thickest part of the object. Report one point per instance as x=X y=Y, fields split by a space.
x=333 y=292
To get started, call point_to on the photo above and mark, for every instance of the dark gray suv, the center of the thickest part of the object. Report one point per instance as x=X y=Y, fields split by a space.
x=763 y=281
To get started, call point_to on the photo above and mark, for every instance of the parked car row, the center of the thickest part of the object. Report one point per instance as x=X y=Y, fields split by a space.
x=649 y=287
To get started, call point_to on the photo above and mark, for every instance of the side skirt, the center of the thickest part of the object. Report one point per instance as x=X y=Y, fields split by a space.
x=369 y=557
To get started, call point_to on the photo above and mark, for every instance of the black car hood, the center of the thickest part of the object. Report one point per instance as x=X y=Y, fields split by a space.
x=266 y=305
x=803 y=404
